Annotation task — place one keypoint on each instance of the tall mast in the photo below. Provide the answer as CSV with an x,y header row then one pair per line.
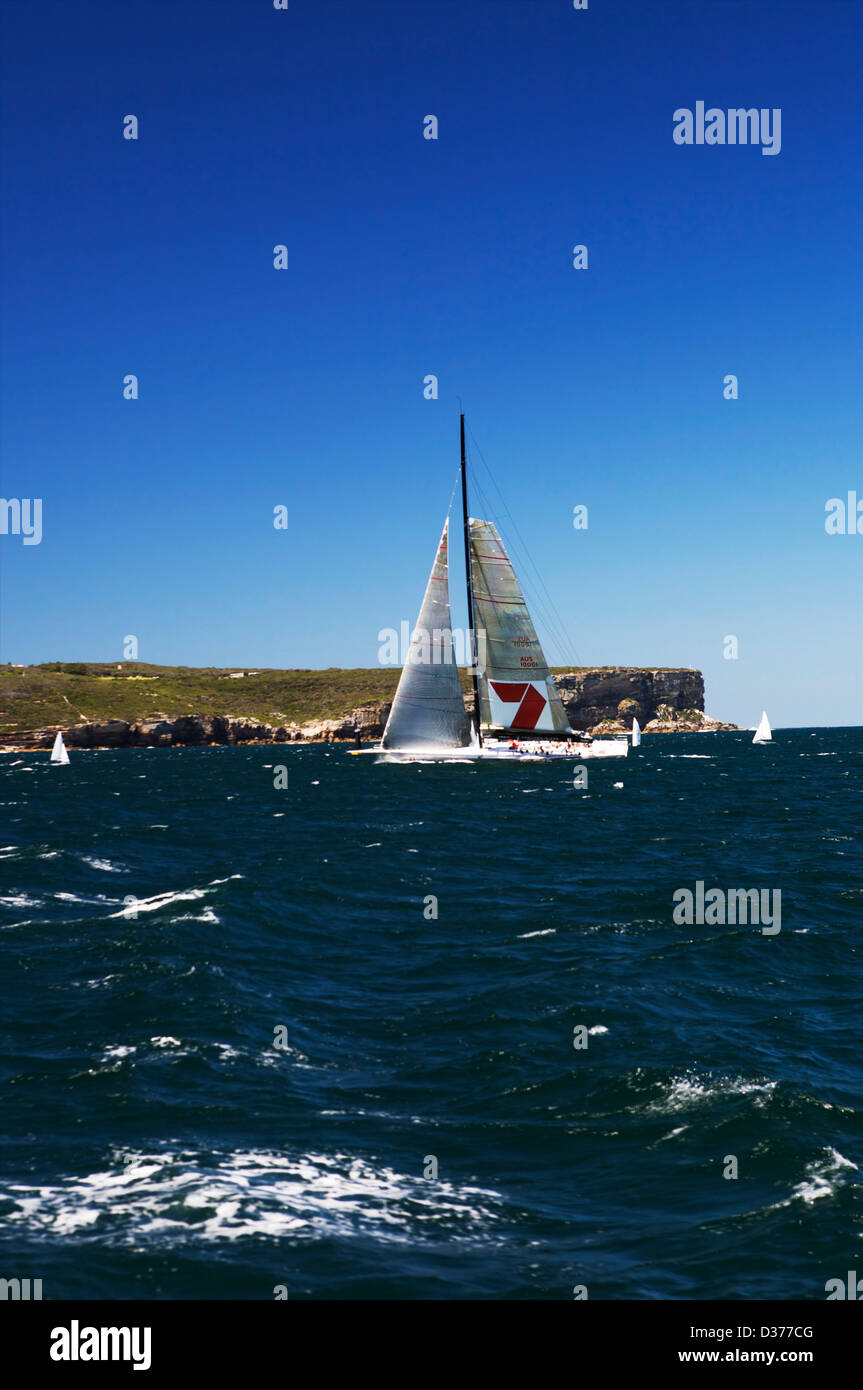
x,y
473,654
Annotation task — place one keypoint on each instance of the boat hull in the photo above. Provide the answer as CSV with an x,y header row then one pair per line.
x,y
536,753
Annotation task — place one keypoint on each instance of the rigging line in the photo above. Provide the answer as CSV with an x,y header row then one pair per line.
x,y
559,621
536,602
523,545
557,633
551,622
452,494
559,637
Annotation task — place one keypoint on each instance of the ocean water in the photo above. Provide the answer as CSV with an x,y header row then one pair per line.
x,y
429,1129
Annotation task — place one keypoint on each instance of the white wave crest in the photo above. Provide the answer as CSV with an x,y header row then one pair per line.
x,y
182,1198
684,1092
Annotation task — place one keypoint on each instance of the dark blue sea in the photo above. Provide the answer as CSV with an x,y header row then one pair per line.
x,y
426,1128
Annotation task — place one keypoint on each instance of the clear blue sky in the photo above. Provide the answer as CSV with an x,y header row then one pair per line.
x,y
453,257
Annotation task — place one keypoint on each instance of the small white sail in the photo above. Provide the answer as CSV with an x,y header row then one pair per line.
x,y
762,733
636,733
58,752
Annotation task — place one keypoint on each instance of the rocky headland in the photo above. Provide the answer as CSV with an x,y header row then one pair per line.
x,y
599,701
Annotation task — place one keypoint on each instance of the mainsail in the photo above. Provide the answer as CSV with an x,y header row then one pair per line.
x,y
636,733
516,688
428,708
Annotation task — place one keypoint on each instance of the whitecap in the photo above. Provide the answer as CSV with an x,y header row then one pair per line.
x,y
823,1179
104,864
158,901
672,1133
145,1197
684,1092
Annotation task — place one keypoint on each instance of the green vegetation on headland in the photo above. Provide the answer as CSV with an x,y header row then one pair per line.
x,y
35,697
74,694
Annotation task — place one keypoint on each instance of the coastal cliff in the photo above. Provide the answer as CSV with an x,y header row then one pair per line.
x,y
133,705
618,694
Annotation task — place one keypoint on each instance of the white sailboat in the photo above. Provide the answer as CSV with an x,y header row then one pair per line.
x,y
58,752
762,733
518,714
636,733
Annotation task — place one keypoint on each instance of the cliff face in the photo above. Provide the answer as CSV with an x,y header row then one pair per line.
x,y
198,729
622,693
602,699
